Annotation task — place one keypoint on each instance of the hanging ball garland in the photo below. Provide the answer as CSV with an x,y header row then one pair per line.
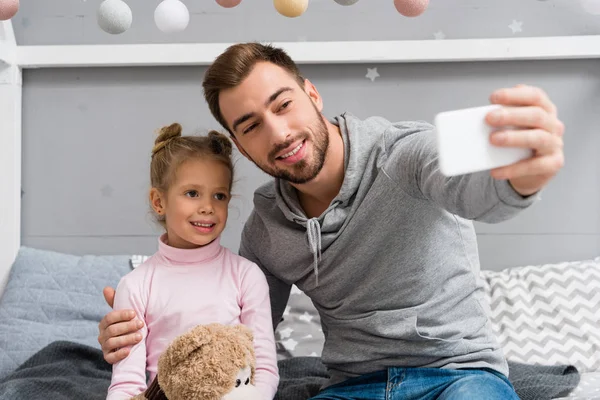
x,y
228,3
346,2
171,16
8,9
114,16
411,8
291,8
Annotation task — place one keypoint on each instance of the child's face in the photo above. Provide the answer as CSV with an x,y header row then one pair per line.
x,y
197,202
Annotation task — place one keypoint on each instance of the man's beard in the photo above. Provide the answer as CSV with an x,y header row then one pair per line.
x,y
302,171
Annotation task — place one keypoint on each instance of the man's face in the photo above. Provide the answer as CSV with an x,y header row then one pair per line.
x,y
277,124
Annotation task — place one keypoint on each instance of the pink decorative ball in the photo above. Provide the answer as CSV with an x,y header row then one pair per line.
x,y
8,9
228,3
411,8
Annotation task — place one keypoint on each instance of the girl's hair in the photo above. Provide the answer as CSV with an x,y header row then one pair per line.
x,y
171,149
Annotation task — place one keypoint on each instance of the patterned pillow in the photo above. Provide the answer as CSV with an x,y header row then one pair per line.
x,y
548,314
300,333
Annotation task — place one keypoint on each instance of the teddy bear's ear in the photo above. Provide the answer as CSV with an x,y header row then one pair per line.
x,y
181,348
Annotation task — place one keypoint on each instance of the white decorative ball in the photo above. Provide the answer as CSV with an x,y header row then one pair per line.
x,y
291,8
346,2
591,6
114,16
171,16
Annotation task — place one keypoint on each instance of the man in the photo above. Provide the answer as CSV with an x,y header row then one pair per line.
x,y
360,218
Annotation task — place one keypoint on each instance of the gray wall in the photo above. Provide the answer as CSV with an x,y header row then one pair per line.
x,y
88,132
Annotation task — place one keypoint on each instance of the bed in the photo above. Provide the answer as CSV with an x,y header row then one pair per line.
x,y
53,303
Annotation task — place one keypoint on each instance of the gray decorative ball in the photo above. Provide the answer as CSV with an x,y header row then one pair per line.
x,y
114,16
346,2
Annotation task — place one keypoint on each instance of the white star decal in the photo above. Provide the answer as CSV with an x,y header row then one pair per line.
x,y
516,26
439,35
289,344
372,74
305,317
285,333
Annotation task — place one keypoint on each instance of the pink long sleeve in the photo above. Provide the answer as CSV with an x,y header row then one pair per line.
x,y
178,289
256,314
129,374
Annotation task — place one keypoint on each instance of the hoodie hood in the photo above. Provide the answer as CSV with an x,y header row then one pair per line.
x,y
358,153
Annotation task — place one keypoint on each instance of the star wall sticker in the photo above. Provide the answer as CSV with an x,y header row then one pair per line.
x,y
372,74
106,191
439,35
516,26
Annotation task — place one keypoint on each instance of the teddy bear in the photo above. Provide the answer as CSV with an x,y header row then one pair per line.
x,y
210,362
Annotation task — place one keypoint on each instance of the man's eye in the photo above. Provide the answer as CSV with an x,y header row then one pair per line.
x,y
248,129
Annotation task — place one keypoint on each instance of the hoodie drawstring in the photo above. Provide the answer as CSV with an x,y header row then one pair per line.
x,y
313,231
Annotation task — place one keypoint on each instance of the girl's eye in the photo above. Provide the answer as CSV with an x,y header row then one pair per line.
x,y
285,105
247,381
238,382
191,193
221,196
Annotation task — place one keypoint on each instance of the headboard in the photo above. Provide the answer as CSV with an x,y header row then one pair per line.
x,y
14,59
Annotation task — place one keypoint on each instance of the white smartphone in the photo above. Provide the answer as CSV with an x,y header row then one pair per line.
x,y
463,139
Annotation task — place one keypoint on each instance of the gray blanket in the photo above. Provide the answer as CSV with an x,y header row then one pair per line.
x,y
66,370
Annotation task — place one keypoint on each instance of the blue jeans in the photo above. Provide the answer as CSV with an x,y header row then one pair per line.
x,y
423,384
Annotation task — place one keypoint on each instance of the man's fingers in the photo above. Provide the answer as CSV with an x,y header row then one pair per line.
x,y
539,166
525,117
116,356
122,329
109,296
524,95
535,139
119,342
115,317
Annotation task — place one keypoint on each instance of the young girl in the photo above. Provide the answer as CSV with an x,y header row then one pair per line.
x,y
192,279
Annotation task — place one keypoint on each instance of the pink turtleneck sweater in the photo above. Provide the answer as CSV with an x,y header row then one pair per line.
x,y
177,289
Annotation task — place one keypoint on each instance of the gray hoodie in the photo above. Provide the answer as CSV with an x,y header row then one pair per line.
x,y
392,265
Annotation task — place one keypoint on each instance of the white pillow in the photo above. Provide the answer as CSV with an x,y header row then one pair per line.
x,y
548,314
